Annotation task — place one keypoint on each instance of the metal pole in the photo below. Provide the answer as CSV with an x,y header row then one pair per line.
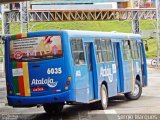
x,y
157,31
135,19
4,25
24,17
5,21
2,9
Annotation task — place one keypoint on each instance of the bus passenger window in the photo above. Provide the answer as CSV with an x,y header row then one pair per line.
x,y
81,58
109,50
98,51
134,49
103,50
126,50
77,51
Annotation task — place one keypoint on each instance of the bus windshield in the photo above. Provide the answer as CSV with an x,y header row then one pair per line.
x,y
36,48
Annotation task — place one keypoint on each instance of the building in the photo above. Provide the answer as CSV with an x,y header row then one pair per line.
x,y
78,4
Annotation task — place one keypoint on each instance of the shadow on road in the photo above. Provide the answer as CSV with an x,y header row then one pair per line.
x,y
73,112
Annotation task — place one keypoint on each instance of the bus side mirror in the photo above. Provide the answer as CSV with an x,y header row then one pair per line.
x,y
146,47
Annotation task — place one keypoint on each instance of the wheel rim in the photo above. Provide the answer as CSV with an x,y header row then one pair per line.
x,y
136,90
104,97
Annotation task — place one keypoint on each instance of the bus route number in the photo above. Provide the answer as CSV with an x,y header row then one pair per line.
x,y
54,71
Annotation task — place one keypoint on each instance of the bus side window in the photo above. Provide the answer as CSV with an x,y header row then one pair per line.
x,y
134,49
109,51
98,50
78,51
104,50
126,50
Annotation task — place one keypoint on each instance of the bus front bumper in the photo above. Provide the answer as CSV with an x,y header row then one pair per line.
x,y
29,101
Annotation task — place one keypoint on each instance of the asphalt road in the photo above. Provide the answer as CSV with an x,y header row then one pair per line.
x,y
147,104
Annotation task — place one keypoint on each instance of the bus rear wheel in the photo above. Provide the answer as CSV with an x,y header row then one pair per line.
x,y
53,108
136,94
103,103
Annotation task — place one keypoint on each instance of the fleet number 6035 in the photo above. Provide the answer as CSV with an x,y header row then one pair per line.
x,y
54,71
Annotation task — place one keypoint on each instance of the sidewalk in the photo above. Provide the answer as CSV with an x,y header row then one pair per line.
x,y
1,70
3,94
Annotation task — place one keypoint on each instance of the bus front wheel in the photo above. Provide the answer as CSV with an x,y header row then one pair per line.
x,y
53,108
103,103
136,94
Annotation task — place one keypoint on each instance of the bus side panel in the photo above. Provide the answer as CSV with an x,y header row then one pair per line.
x,y
127,68
137,69
100,79
112,80
107,73
82,84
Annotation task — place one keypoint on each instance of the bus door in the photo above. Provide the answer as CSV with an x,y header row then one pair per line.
x,y
128,66
88,51
118,60
144,82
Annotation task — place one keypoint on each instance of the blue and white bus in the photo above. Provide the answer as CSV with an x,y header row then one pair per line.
x,y
54,68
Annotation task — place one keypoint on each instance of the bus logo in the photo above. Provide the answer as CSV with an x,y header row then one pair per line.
x,y
50,82
18,55
106,72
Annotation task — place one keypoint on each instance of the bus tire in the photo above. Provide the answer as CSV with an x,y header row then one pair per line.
x,y
53,108
103,103
137,92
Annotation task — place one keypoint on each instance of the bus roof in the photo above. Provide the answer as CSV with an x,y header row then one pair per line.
x,y
102,34
82,33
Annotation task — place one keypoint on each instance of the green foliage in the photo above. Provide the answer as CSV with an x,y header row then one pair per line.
x,y
85,25
151,48
1,51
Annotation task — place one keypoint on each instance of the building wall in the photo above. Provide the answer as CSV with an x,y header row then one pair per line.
x,y
73,1
110,5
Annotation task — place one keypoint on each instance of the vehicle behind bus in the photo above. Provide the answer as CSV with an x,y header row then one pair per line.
x,y
54,68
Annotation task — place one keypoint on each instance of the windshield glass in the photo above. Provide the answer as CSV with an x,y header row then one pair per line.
x,y
36,48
